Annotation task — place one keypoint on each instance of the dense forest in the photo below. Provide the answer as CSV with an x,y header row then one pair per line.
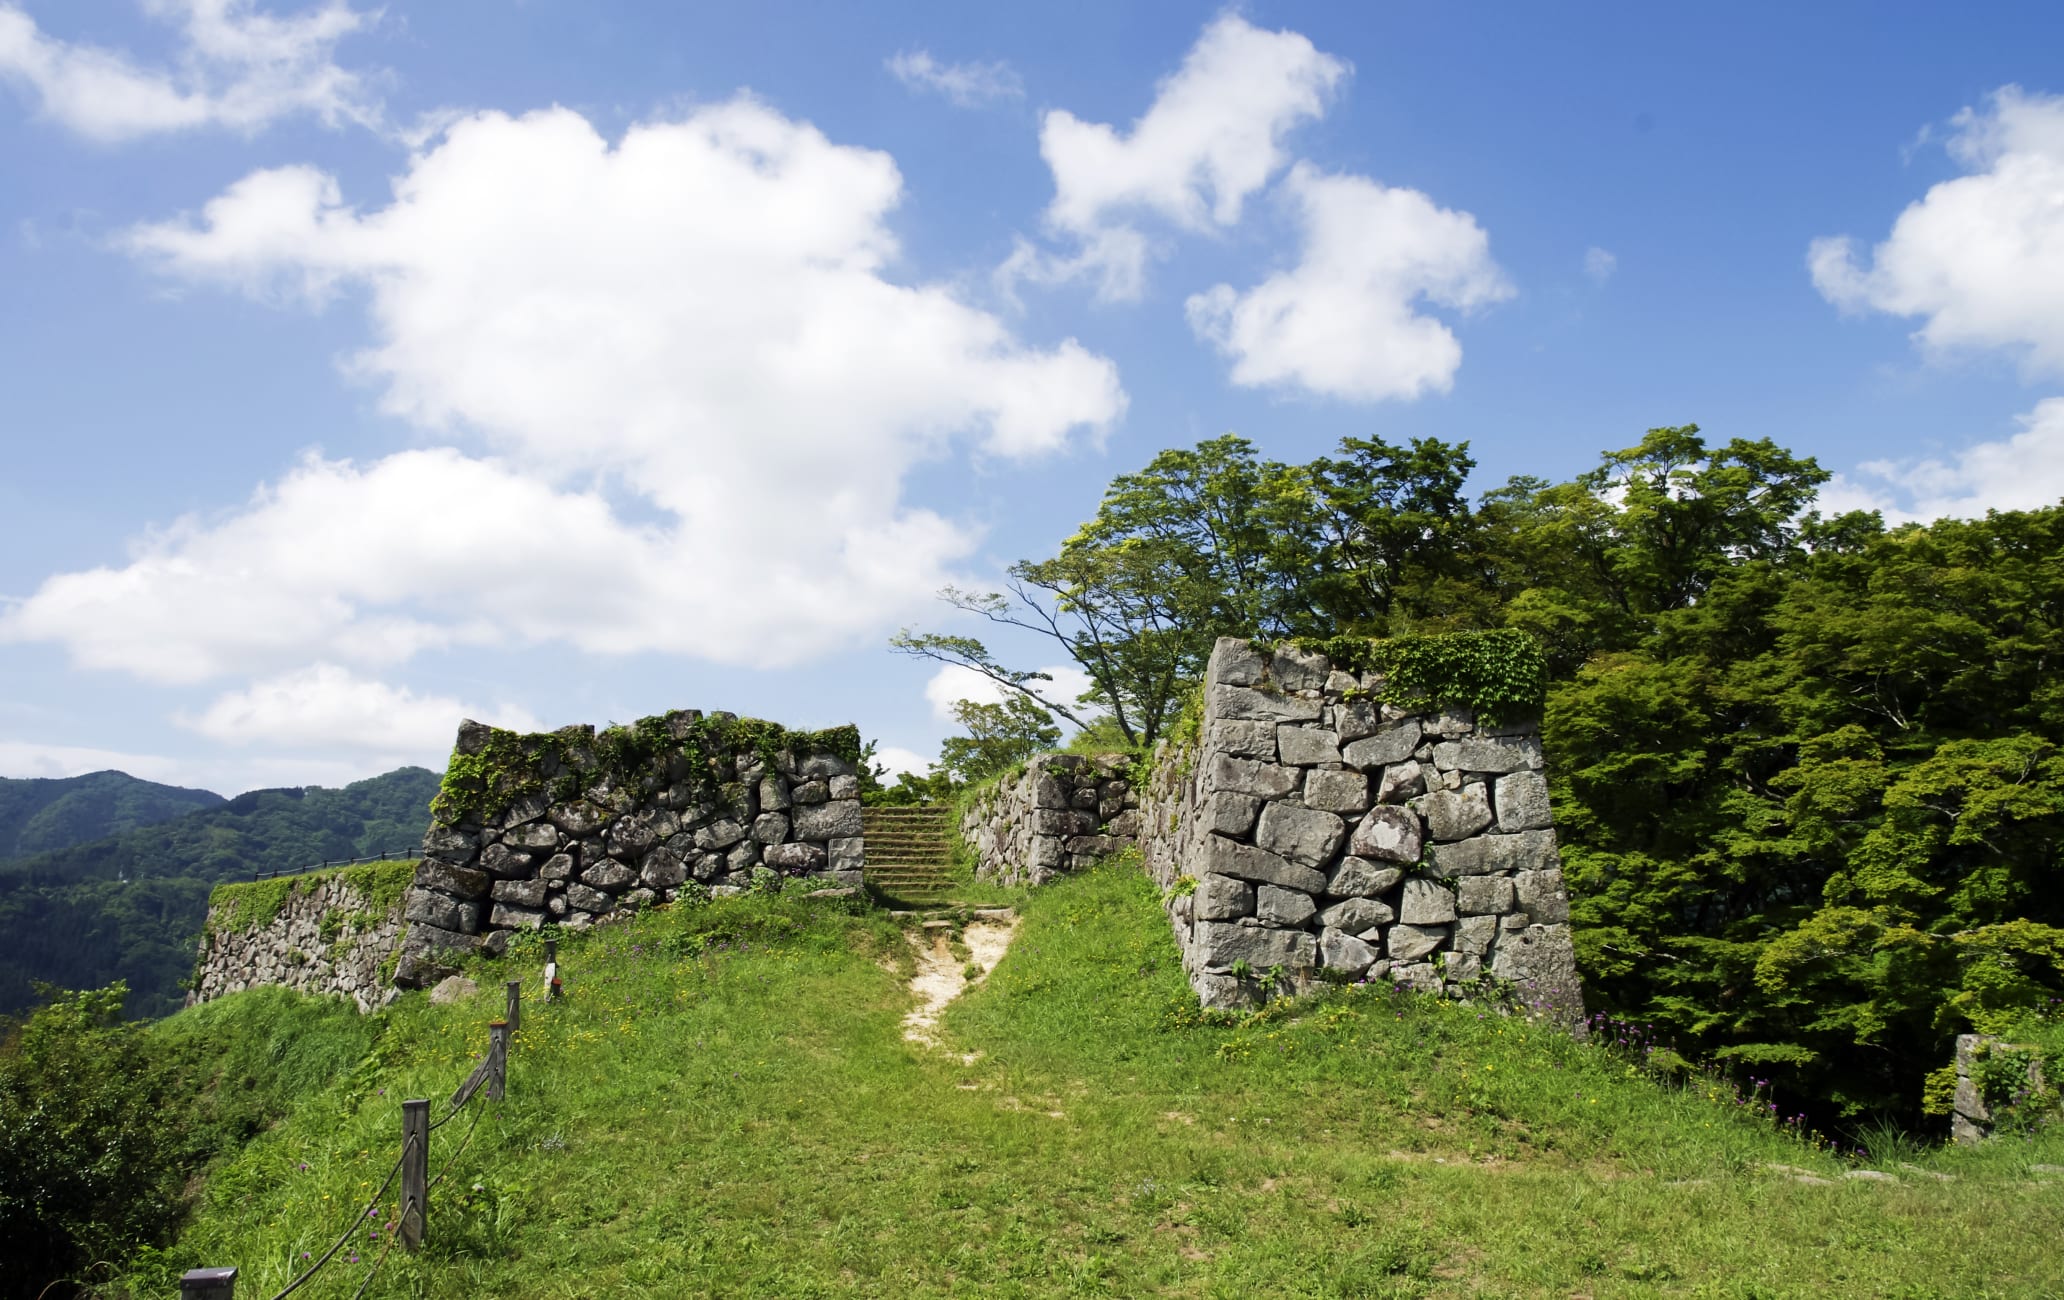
x,y
1806,769
129,907
39,814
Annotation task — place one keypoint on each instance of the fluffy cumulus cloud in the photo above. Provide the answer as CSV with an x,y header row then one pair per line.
x,y
1346,320
1213,136
953,684
1979,259
968,85
2021,472
237,67
327,707
697,386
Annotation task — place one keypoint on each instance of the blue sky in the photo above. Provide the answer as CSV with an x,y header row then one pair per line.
x,y
367,366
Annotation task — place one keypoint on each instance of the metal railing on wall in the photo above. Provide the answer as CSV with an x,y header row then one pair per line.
x,y
488,1081
398,855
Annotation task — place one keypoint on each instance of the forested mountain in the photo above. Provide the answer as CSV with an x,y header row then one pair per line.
x,y
40,814
130,906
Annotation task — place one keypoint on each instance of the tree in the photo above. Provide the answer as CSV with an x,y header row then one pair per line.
x,y
998,737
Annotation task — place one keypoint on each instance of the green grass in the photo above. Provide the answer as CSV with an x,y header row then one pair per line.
x,y
252,904
725,1107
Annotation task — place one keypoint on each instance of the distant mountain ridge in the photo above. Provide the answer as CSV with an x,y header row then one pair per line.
x,y
130,905
43,814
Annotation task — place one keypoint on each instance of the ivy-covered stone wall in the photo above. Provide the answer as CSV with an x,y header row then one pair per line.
x,y
567,827
334,933
1306,827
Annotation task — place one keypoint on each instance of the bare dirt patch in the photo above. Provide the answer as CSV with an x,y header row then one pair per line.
x,y
942,977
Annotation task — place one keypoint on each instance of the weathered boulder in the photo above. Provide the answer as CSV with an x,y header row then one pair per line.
x,y
452,988
1393,744
1336,792
1307,836
1361,878
1492,854
1522,800
822,821
1232,858
1426,903
1306,746
1283,907
1387,834
795,857
1221,944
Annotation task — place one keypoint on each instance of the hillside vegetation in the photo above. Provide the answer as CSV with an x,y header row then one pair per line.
x,y
130,906
39,814
725,1106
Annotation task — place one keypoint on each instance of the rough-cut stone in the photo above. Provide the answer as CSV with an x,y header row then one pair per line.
x,y
1388,835
1483,895
1541,895
1265,706
1306,746
447,878
1354,719
1221,944
1338,792
1455,814
608,874
1541,963
1393,744
1288,908
663,869
630,839
1229,812
426,908
588,900
1401,782
1245,776
452,988
1411,942
450,845
1461,967
1231,858
1426,903
1475,934
1489,754
1419,977
796,856
720,834
744,856
808,792
1361,878
1299,670
525,893
577,818
1522,800
1242,739
773,793
1343,952
815,767
1488,855
770,827
844,786
557,867
507,916
504,863
1126,825
1357,914
840,817
1222,898
1234,662
845,853
1303,835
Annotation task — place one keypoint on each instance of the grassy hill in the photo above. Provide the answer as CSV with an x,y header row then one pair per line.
x,y
39,814
130,906
725,1106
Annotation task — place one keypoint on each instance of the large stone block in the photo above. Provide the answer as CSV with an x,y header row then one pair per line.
x,y
1229,812
718,835
1522,800
1337,792
584,899
524,893
770,827
1306,746
1541,964
535,837
1489,754
609,874
1401,782
1455,814
797,856
1489,855
1409,943
577,818
1245,776
815,767
803,792
1393,744
450,879
1475,934
1387,835
1483,895
557,867
1541,895
1306,836
1221,944
1299,670
662,869
1354,719
840,817
1232,858
1242,739
1357,914
1341,951
503,862
1361,878
426,908
508,917
1288,908
774,793
448,845
845,853
1426,902
1260,706
1222,898
1234,662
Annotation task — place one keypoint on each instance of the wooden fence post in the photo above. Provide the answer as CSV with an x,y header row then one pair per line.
x,y
208,1284
551,970
498,1051
515,1013
415,1172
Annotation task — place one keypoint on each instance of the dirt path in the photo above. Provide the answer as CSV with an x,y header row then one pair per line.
x,y
941,976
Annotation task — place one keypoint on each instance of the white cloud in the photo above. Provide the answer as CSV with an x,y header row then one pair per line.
x,y
238,67
969,85
952,683
1212,137
2022,472
325,706
1599,264
28,758
699,317
1980,258
1345,322
895,760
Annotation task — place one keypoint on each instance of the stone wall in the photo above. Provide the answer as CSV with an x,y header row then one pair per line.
x,y
712,804
1972,1117
329,936
1060,814
1308,833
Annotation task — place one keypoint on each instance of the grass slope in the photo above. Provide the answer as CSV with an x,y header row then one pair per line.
x,y
725,1107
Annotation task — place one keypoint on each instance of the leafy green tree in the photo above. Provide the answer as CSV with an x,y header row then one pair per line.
x,y
998,737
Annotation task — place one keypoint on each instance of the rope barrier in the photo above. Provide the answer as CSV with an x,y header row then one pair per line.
x,y
464,1142
384,1248
330,1254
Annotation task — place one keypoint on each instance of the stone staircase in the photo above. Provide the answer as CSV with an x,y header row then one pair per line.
x,y
910,852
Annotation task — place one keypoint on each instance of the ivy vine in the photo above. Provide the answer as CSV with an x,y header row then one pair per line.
x,y
1501,674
